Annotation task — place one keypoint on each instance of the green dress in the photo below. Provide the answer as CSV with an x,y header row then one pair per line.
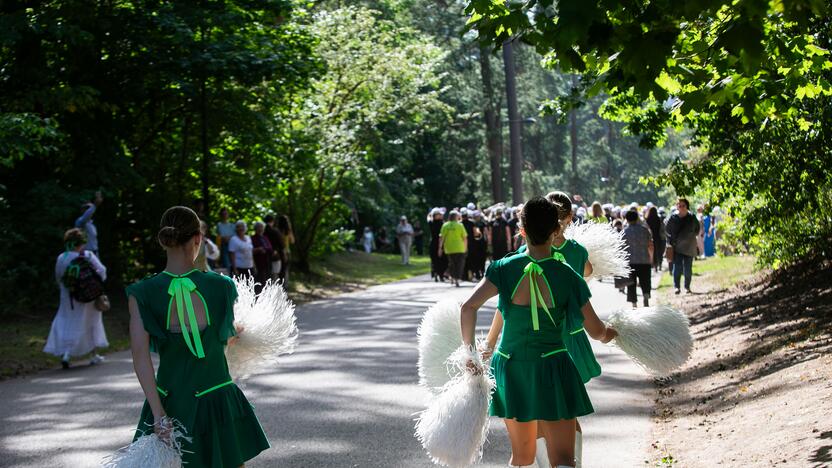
x,y
535,375
193,379
574,335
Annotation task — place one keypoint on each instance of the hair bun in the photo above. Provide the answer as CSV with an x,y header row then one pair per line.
x,y
168,236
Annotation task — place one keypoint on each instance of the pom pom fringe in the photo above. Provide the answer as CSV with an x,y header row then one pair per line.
x,y
150,450
268,328
454,426
440,335
656,338
606,247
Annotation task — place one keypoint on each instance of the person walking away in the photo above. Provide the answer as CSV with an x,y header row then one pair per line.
x,y
500,238
539,390
709,228
285,228
453,242
480,250
240,250
187,317
682,230
700,237
207,251
418,238
278,246
438,262
639,244
77,328
597,214
85,224
657,230
262,252
368,240
225,231
404,234
469,252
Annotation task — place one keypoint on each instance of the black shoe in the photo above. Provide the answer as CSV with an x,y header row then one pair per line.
x,y
688,291
646,302
65,364
435,279
678,291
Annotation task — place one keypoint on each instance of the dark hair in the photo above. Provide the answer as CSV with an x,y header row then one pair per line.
x,y
269,218
617,222
284,225
631,217
685,201
562,202
74,237
179,225
539,218
652,214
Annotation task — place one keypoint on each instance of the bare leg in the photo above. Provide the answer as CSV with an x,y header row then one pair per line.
x,y
522,436
560,441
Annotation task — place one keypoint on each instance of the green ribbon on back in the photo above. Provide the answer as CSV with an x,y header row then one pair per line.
x,y
532,270
180,290
559,257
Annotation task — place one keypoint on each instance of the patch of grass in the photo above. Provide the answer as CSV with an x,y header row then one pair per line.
x,y
724,272
349,271
23,337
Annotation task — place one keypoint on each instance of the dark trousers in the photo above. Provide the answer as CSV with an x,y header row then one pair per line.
x,y
682,263
640,273
658,255
456,265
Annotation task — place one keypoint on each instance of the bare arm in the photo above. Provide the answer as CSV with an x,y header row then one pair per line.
x,y
441,249
140,347
494,331
484,291
596,329
587,268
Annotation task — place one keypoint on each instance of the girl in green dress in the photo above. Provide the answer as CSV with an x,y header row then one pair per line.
x,y
538,386
574,334
187,317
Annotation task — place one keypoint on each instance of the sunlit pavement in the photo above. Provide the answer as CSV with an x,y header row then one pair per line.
x,y
346,398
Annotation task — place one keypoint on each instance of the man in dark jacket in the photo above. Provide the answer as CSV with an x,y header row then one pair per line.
x,y
682,229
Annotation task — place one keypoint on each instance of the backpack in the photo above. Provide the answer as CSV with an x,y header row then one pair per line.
x,y
82,281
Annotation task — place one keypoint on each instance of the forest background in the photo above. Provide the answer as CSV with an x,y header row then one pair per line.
x,y
349,114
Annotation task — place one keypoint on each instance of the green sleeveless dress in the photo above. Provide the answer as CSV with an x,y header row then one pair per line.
x,y
535,375
193,379
574,335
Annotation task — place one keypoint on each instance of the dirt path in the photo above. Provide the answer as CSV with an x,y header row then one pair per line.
x,y
758,389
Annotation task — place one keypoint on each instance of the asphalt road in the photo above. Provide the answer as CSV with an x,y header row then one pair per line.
x,y
346,398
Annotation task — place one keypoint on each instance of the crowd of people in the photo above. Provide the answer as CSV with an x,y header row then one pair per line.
x,y
264,255
462,239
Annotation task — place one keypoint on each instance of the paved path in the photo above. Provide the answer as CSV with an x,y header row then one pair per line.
x,y
346,398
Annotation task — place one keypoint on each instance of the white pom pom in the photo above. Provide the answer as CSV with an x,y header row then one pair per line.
x,y
454,426
268,328
150,450
440,335
656,338
605,246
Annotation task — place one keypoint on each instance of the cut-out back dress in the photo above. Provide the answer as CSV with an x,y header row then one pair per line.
x,y
535,374
193,379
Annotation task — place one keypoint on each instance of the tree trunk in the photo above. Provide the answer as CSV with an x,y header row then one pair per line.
x,y
573,137
516,161
492,127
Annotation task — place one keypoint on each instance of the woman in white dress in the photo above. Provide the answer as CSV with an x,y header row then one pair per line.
x,y
77,328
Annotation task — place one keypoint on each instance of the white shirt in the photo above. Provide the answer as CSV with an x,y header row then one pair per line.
x,y
243,251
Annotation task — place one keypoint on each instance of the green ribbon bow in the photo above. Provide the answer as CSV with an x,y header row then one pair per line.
x,y
180,290
532,270
559,257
